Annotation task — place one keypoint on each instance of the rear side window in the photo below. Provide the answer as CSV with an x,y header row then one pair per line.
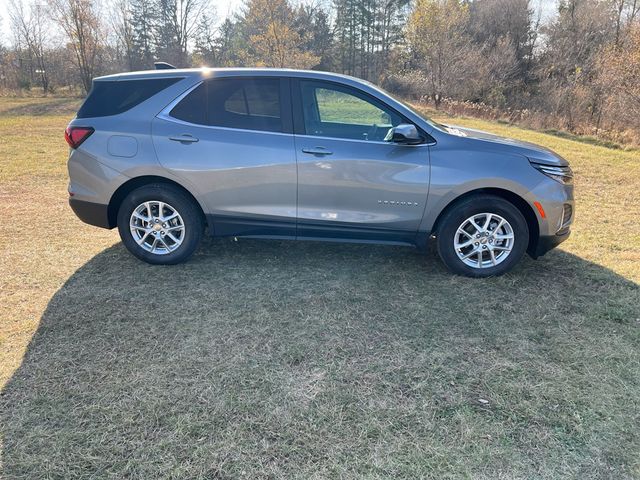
x,y
193,108
245,103
114,97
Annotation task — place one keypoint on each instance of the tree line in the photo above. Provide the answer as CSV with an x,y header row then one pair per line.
x,y
578,70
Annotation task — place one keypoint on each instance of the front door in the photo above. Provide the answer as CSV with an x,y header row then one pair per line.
x,y
351,183
231,138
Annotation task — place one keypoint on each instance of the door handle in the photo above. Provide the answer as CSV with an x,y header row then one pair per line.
x,y
184,138
317,151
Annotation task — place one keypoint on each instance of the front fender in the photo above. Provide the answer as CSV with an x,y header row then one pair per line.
x,y
456,172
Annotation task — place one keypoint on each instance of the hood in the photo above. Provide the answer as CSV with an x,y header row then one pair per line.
x,y
533,152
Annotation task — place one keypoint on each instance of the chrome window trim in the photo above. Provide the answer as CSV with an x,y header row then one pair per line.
x,y
169,118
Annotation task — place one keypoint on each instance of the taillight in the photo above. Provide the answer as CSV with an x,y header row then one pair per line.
x,y
76,135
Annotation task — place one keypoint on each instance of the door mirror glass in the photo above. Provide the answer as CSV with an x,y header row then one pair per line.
x,y
405,134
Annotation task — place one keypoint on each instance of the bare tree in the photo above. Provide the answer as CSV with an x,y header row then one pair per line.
x,y
567,64
80,22
437,40
626,12
273,41
176,27
619,74
29,27
122,26
187,14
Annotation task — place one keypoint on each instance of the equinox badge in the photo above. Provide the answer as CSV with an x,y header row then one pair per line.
x,y
396,202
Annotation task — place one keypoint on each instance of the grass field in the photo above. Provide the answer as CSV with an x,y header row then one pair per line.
x,y
266,359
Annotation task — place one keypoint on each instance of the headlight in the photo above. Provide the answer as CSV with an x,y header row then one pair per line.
x,y
563,175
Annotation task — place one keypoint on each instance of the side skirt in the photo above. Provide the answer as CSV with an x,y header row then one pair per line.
x,y
267,228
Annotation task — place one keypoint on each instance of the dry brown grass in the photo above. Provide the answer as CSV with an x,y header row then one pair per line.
x,y
266,359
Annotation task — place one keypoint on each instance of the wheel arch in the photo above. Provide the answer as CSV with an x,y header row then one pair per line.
x,y
513,198
130,185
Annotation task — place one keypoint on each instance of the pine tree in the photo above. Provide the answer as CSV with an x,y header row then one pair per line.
x,y
142,16
366,30
313,25
205,51
166,41
230,44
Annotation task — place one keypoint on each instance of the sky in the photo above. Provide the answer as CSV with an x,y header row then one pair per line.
x,y
225,8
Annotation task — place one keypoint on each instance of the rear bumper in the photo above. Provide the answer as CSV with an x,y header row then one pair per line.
x,y
548,242
92,213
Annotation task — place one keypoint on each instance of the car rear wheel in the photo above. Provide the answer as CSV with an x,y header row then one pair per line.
x,y
160,224
482,236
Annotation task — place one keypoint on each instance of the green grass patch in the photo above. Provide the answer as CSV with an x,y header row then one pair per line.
x,y
38,106
583,139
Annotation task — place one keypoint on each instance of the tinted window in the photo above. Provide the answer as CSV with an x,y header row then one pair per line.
x,y
247,103
192,108
341,112
237,102
114,97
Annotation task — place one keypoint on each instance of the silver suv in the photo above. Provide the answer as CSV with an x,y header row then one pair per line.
x,y
165,154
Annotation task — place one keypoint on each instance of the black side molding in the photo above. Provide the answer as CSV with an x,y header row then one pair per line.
x,y
92,213
163,66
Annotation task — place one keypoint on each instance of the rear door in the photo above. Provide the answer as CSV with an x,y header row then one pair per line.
x,y
231,138
351,183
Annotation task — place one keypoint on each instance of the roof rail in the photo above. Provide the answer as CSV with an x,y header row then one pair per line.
x,y
163,66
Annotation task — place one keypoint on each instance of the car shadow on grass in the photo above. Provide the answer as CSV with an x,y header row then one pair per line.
x,y
309,360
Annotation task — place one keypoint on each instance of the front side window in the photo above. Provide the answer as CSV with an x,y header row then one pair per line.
x,y
243,103
341,112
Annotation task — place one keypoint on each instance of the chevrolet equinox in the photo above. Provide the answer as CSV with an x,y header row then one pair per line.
x,y
166,154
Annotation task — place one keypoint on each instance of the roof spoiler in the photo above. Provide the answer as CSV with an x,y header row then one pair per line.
x,y
163,66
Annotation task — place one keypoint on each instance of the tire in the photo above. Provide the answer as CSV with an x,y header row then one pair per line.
x,y
490,252
156,241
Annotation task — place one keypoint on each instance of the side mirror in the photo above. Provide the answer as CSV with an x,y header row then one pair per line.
x,y
405,134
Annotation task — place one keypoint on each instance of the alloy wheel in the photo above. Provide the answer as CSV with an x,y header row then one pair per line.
x,y
157,227
484,240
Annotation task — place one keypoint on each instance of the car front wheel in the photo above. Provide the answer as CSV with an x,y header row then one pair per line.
x,y
160,224
482,236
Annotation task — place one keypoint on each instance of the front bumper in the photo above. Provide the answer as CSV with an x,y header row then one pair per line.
x,y
547,242
92,213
